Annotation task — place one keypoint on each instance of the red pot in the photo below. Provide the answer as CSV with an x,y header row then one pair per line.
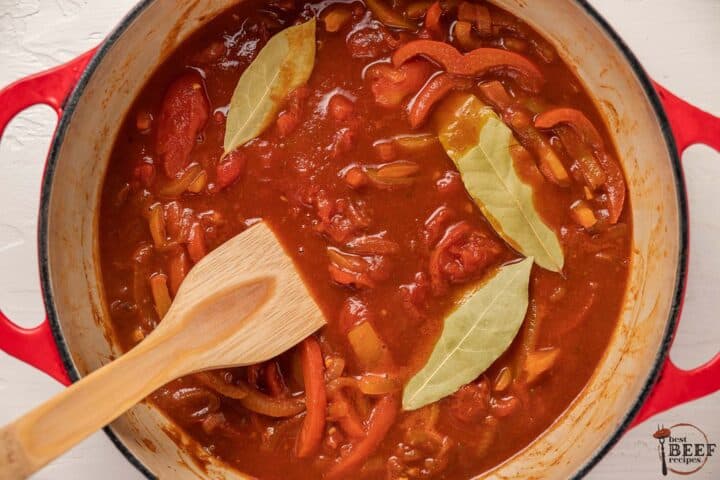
x,y
651,128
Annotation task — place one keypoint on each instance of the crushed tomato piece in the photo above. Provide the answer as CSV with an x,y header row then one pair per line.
x,y
183,115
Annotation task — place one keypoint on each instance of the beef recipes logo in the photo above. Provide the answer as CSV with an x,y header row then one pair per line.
x,y
683,448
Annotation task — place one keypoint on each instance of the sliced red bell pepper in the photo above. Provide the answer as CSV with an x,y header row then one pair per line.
x,y
615,184
473,63
432,20
495,93
482,60
575,119
350,422
274,379
313,427
431,93
519,119
463,34
381,419
440,52
478,15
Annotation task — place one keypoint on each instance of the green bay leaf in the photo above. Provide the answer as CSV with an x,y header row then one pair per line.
x,y
474,335
284,63
479,143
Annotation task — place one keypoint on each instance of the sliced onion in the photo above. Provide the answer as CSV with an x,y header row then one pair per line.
x,y
393,174
178,185
415,142
235,391
416,10
252,399
372,384
388,16
156,223
398,169
336,18
583,214
373,245
503,380
334,367
539,362
160,293
198,185
347,261
195,403
367,345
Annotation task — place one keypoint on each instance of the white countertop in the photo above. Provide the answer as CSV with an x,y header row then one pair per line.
x,y
677,41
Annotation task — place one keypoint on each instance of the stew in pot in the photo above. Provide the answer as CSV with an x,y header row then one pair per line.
x,y
448,191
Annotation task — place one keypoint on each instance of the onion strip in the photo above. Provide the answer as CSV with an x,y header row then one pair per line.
x,y
252,399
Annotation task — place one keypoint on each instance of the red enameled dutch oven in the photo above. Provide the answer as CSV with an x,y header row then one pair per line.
x,y
651,128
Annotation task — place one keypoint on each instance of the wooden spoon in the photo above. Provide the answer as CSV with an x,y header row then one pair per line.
x,y
242,304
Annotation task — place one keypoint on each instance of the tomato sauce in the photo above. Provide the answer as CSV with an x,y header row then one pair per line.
x,y
362,214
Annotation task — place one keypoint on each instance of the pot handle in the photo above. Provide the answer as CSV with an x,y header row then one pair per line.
x,y
675,386
36,346
689,124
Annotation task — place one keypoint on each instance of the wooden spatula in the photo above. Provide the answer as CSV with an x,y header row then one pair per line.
x,y
242,304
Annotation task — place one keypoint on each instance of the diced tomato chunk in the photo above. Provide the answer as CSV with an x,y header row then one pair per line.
x,y
354,311
355,177
370,42
183,115
339,219
287,122
386,151
230,169
471,403
342,142
289,119
450,183
460,255
436,223
414,295
340,107
145,173
502,407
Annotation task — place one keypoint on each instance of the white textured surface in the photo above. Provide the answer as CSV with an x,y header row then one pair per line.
x,y
677,42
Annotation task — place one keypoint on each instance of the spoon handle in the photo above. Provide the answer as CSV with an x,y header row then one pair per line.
x,y
52,428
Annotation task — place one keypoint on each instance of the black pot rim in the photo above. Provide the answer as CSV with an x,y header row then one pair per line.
x,y
642,77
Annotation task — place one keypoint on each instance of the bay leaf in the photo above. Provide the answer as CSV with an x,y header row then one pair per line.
x,y
284,63
474,335
479,143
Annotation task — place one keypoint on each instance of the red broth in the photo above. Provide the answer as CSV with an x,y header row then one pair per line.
x,y
315,176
